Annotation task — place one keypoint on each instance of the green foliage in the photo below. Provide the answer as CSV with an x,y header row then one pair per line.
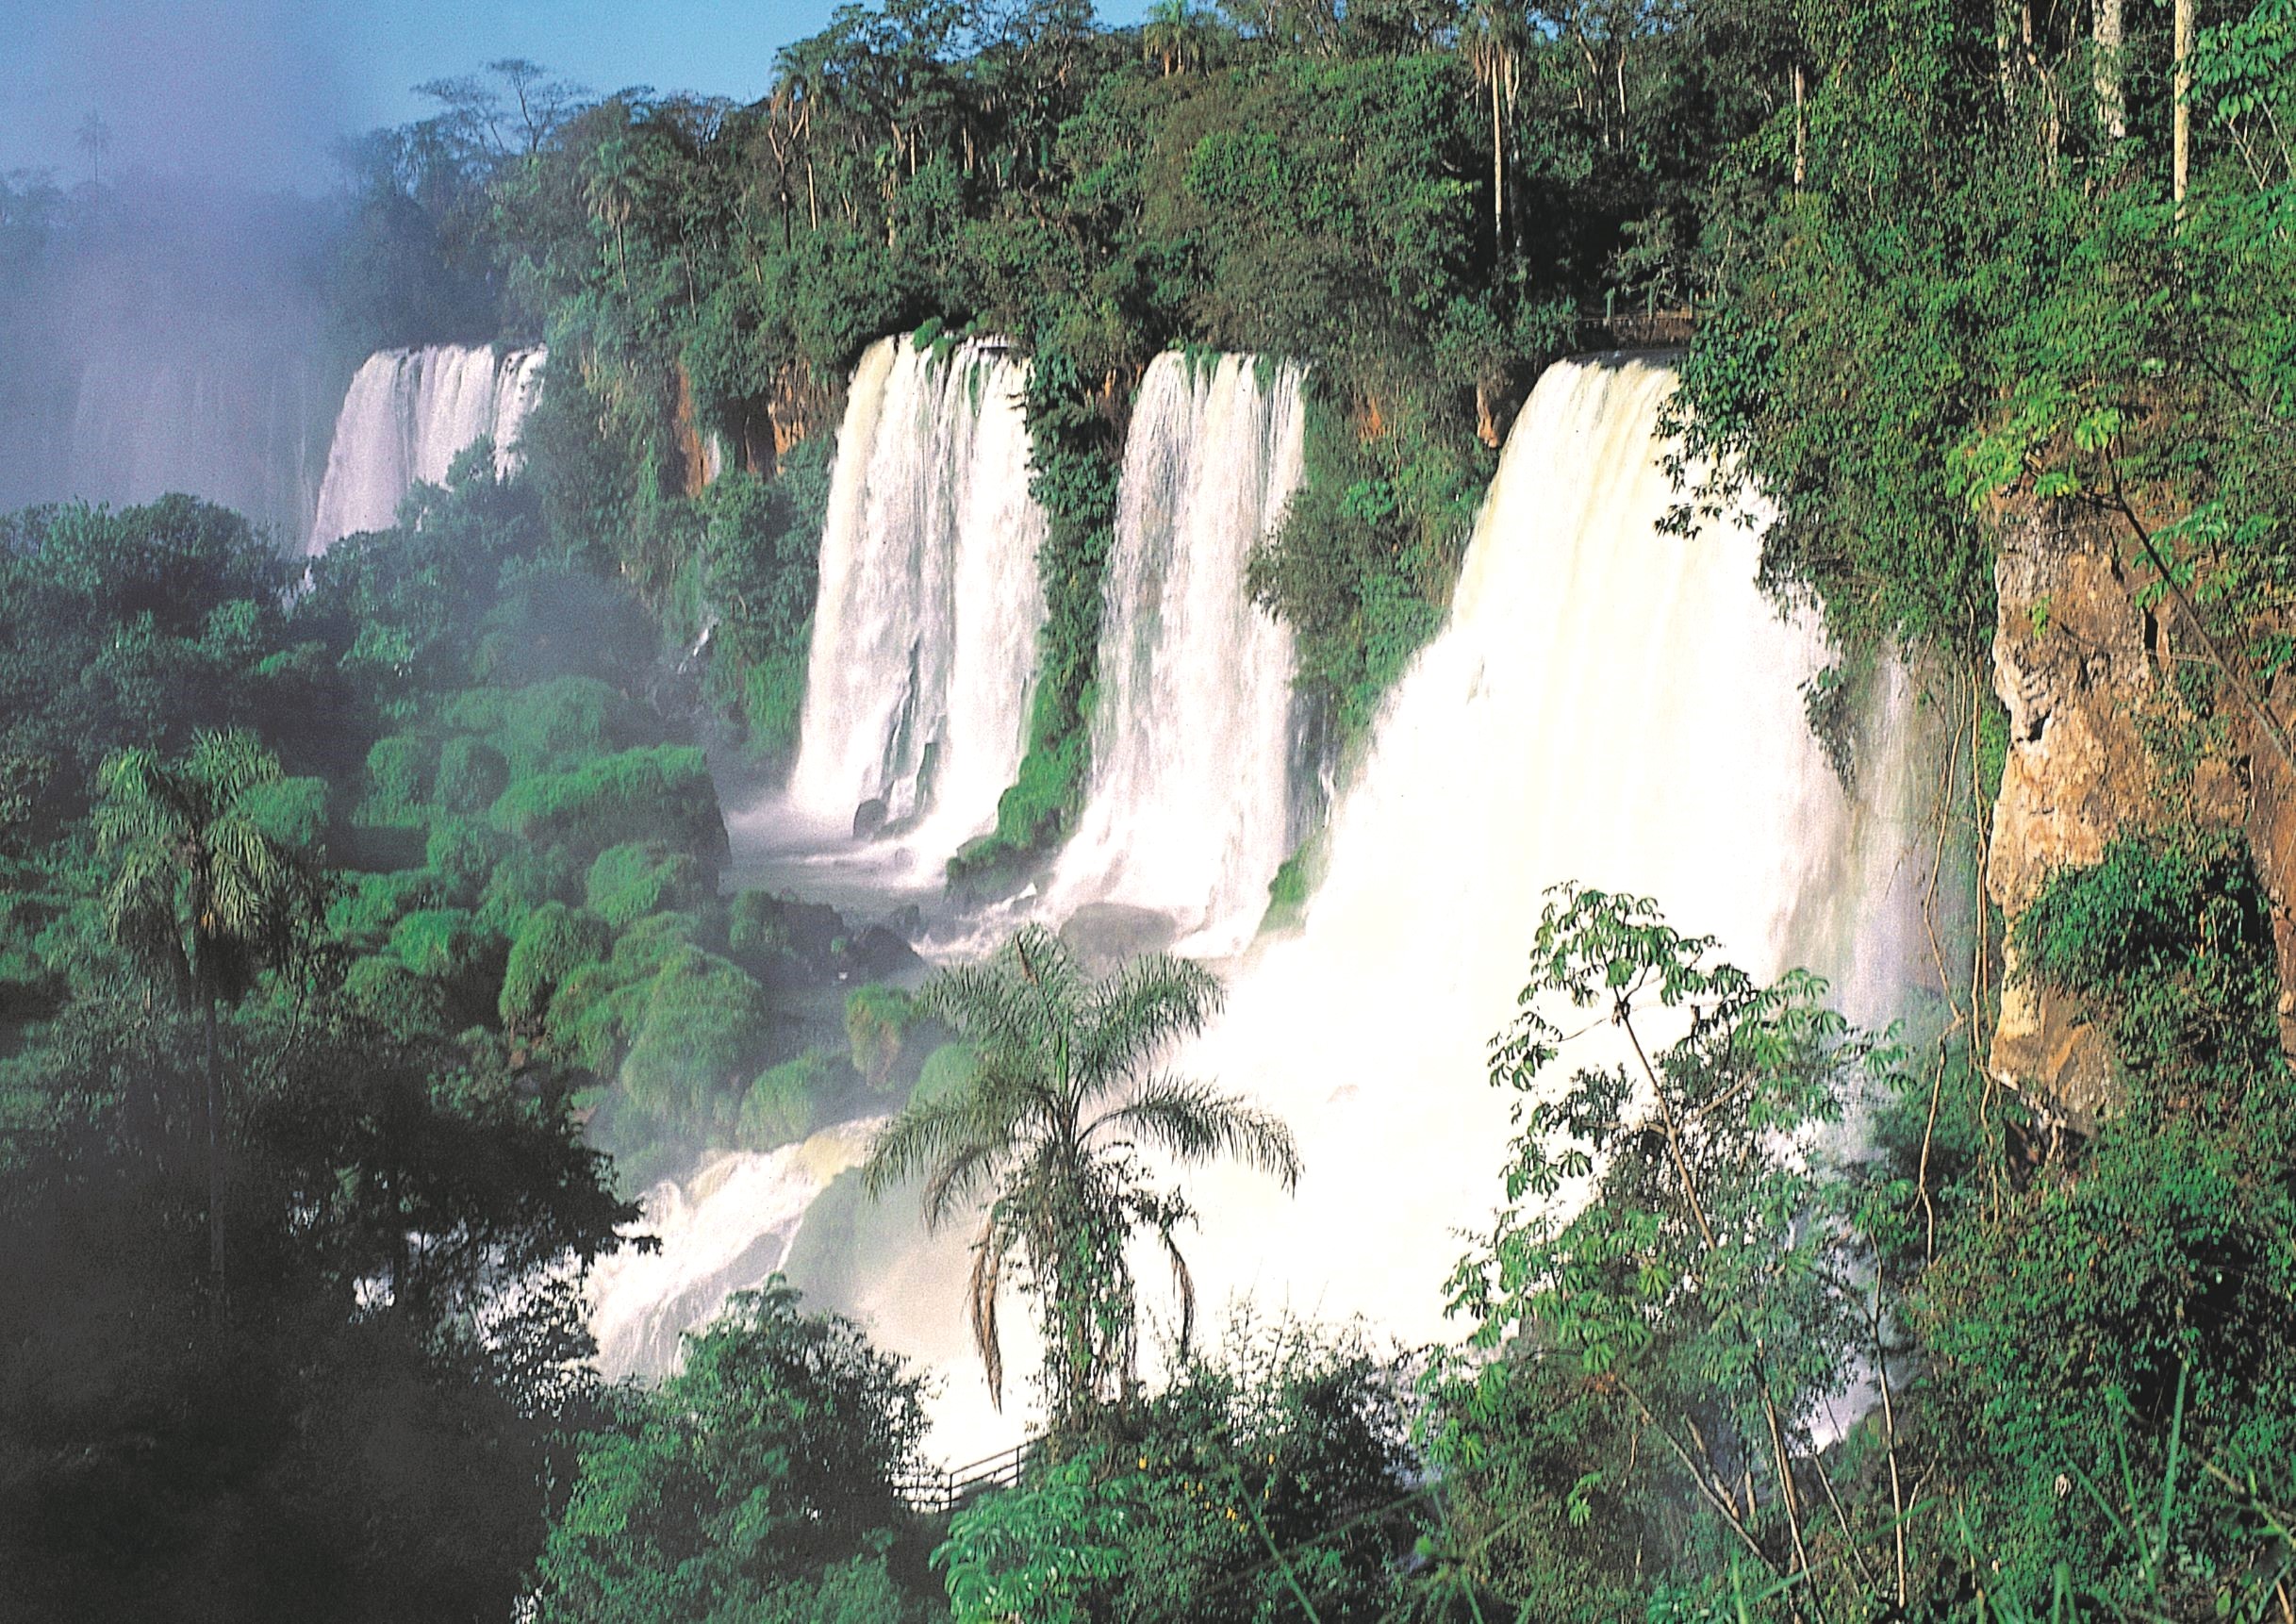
x,y
629,882
876,1020
753,1483
399,768
784,1105
694,1038
473,774
2139,1299
1706,1299
433,941
662,791
947,1070
554,725
551,946
463,854
1271,1480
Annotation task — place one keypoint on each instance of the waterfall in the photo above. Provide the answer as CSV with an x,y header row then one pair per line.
x,y
924,632
1188,810
409,414
1607,704
724,1229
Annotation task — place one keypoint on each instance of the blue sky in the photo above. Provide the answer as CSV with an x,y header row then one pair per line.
x,y
256,90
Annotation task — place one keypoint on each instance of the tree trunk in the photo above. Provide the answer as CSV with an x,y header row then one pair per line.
x,y
2112,105
1498,176
1801,125
2182,127
215,1146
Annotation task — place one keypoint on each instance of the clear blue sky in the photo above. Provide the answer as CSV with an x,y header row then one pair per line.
x,y
256,90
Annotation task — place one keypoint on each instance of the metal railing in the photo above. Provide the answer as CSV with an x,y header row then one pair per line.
x,y
934,1491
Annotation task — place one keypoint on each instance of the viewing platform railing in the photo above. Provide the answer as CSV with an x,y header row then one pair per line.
x,y
934,1491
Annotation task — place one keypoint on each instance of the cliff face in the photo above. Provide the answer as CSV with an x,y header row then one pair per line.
x,y
2081,668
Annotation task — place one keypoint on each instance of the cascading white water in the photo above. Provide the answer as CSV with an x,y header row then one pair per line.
x,y
1188,811
724,1229
408,415
924,634
1606,703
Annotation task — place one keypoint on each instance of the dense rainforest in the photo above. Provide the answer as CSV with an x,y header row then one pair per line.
x,y
366,948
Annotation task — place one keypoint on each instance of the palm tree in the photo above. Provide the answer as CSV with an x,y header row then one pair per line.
x,y
1053,1125
202,895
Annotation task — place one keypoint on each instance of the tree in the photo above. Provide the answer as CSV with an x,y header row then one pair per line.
x,y
94,138
1492,37
204,893
1051,1125
765,1467
1707,1297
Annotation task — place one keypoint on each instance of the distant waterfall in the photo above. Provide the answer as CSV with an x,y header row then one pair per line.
x,y
924,632
1607,704
409,414
1188,812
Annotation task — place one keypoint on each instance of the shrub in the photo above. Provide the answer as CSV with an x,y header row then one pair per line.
x,y
663,791
557,724
436,942
876,1017
693,1041
784,1105
398,773
642,877
462,854
551,946
405,1004
472,776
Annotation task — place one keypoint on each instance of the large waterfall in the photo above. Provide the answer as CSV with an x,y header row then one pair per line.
x,y
409,414
924,633
1188,813
1607,703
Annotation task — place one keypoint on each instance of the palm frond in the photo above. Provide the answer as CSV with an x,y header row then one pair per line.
x,y
1184,1283
913,1141
1136,1013
960,1175
987,1269
1193,1122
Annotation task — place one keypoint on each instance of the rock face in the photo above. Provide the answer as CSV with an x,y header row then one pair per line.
x,y
2078,664
2071,668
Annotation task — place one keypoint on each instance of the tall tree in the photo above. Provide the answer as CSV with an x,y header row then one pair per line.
x,y
1052,1124
204,891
